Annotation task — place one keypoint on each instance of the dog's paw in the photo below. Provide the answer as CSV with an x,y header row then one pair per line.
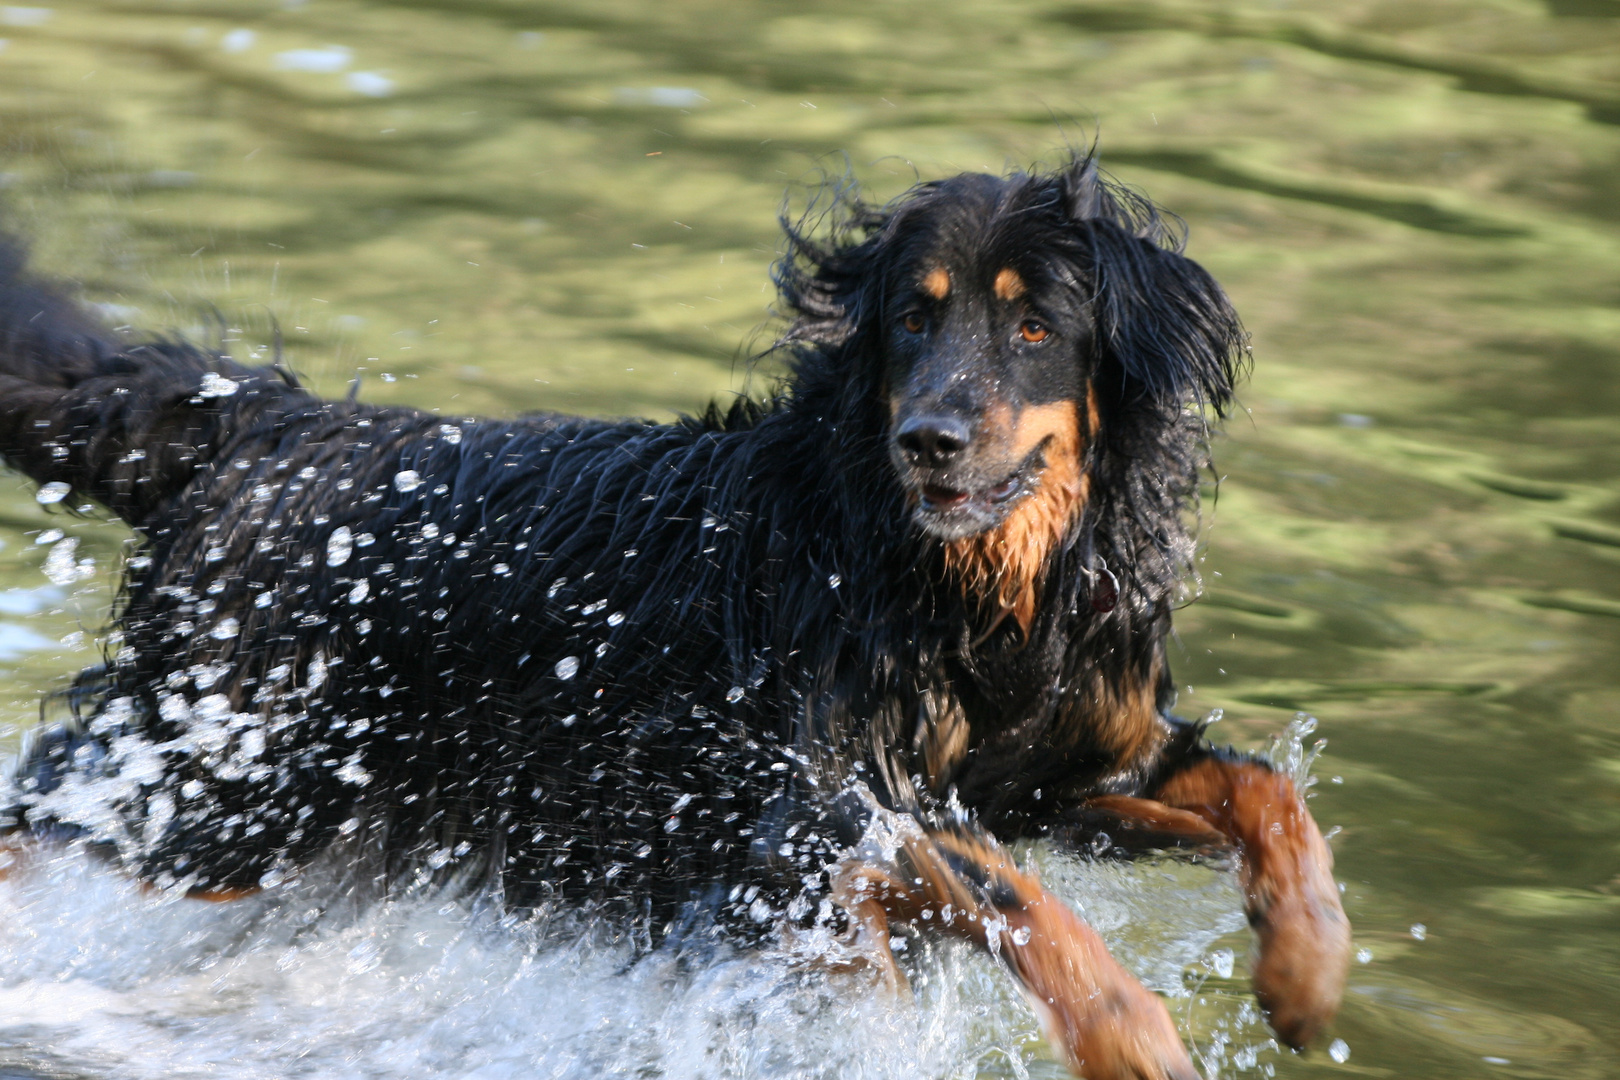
x,y
1304,958
1102,1022
1127,1035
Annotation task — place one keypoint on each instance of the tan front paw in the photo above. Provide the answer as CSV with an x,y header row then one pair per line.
x,y
1304,957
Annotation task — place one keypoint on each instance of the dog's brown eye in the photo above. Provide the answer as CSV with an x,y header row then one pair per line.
x,y
913,323
1033,331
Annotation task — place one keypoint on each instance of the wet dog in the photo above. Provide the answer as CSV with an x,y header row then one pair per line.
x,y
795,663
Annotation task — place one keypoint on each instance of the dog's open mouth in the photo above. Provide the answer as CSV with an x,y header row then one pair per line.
x,y
952,506
939,497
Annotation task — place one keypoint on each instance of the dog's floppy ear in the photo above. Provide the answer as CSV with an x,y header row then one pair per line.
x,y
1160,316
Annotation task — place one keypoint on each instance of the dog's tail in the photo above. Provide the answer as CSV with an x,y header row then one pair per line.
x,y
124,422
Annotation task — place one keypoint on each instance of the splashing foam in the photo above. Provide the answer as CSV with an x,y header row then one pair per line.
x,y
99,977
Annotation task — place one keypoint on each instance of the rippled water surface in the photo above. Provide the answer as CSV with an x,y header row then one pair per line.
x,y
496,206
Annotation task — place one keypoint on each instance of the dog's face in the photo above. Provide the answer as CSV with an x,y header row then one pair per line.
x,y
1014,327
987,360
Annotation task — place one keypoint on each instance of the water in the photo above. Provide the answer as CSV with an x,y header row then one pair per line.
x,y
499,206
105,980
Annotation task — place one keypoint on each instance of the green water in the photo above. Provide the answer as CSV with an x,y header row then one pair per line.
x,y
493,206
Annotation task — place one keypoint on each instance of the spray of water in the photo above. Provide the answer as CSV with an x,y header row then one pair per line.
x,y
100,977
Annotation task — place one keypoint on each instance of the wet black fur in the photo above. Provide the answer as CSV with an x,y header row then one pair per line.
x,y
754,618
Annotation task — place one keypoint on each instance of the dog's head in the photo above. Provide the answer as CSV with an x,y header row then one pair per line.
x,y
1001,323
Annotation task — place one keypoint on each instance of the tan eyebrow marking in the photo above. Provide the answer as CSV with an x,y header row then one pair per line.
x,y
938,283
1009,286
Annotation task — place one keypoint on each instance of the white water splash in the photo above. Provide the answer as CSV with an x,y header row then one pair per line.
x,y
100,978
1288,755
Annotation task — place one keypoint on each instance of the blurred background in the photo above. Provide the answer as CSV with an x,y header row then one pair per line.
x,y
481,206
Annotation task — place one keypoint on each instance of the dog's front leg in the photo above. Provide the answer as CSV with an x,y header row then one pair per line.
x,y
1288,889
1213,798
1105,1024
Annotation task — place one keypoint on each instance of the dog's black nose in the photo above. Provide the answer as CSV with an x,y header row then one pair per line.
x,y
933,440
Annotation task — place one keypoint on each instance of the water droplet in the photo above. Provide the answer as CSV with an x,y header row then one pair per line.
x,y
593,607
616,618
61,567
1364,956
352,773
735,694
1419,931
450,433
501,569
834,580
407,480
213,709
215,385
53,492
1220,962
339,546
49,536
225,629
361,590
1339,1051
567,667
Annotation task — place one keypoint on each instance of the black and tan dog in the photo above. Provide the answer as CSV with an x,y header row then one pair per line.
x,y
797,662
